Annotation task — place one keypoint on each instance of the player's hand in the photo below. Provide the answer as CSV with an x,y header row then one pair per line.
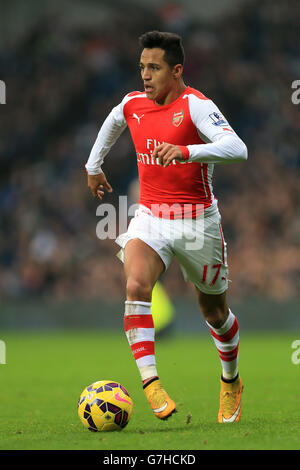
x,y
166,153
97,184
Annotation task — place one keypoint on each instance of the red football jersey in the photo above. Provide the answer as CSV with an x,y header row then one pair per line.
x,y
190,121
151,125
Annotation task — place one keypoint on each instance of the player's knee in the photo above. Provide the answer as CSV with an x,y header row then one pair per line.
x,y
138,289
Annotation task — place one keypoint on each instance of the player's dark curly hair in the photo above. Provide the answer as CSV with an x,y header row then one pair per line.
x,y
171,43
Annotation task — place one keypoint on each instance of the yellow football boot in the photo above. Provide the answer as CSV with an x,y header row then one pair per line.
x,y
230,401
162,405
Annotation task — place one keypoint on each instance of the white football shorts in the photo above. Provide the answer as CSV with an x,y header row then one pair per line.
x,y
198,244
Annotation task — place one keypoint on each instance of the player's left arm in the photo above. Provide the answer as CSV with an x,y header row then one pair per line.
x,y
168,152
222,144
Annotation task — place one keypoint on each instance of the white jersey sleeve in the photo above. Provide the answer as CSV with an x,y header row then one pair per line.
x,y
222,144
110,131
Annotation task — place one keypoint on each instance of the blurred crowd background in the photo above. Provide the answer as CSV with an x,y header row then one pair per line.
x,y
63,79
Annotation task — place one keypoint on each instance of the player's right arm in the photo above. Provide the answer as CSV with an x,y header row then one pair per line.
x,y
110,131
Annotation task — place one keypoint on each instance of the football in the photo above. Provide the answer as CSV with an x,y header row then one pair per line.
x,y
105,406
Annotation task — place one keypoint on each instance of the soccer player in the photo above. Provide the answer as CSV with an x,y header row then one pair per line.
x,y
178,134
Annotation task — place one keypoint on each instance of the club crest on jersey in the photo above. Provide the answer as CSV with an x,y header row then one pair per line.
x,y
177,118
217,119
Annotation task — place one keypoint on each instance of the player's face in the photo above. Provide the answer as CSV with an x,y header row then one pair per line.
x,y
157,75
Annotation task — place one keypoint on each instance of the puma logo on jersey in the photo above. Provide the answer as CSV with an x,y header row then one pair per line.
x,y
138,117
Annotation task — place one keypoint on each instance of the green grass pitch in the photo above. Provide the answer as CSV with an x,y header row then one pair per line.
x,y
45,373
